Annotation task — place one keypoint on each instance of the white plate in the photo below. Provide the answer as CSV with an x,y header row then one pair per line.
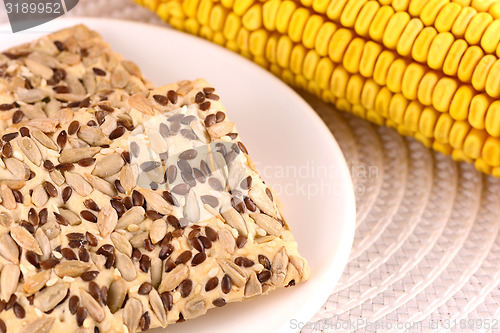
x,y
294,151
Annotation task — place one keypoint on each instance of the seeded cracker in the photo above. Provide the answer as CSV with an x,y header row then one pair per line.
x,y
63,70
140,215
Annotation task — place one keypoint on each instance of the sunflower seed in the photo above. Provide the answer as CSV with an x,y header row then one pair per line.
x,y
39,196
141,104
157,306
279,267
253,286
51,229
236,274
156,271
158,230
235,220
7,196
78,183
5,219
41,325
8,280
44,139
72,268
270,225
121,243
194,308
30,149
127,178
25,239
76,154
227,240
106,220
57,177
20,170
119,78
235,175
48,298
173,278
156,201
101,185
125,266
135,215
116,295
138,240
93,136
39,69
192,208
9,249
34,283
108,165
93,307
262,200
132,314
44,243
221,129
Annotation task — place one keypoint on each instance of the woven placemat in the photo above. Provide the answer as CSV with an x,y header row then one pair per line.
x,y
427,245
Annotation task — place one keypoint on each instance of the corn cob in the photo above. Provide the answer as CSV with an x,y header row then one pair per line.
x,y
428,68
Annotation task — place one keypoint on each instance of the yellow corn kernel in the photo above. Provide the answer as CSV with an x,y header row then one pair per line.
x,y
232,26
284,15
369,93
353,90
411,80
492,121
491,151
301,82
334,9
174,9
443,148
374,117
439,49
482,5
327,96
495,10
257,42
416,7
482,166
261,61
385,2
424,140
271,48
310,63
338,44
365,18
400,5
313,88
297,58
219,38
395,75
379,23
408,37
443,128
391,124
269,13
206,32
218,17
426,87
459,156
343,105
477,112
162,11
151,4
275,69
473,143
232,45
322,41
369,57
447,16
397,108
384,61
422,44
350,12
228,3
431,10
412,116
284,48
189,7
353,54
453,57
203,14
323,73
382,102
462,21
394,29
252,19
241,6
492,86
307,3
338,82
463,3
288,77
443,93
319,6
459,107
242,38
491,37
468,63
358,111
427,122
481,72
297,24
458,133
495,172
192,26
311,30
477,27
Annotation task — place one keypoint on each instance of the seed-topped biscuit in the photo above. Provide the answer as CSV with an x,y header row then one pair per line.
x,y
65,69
138,216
